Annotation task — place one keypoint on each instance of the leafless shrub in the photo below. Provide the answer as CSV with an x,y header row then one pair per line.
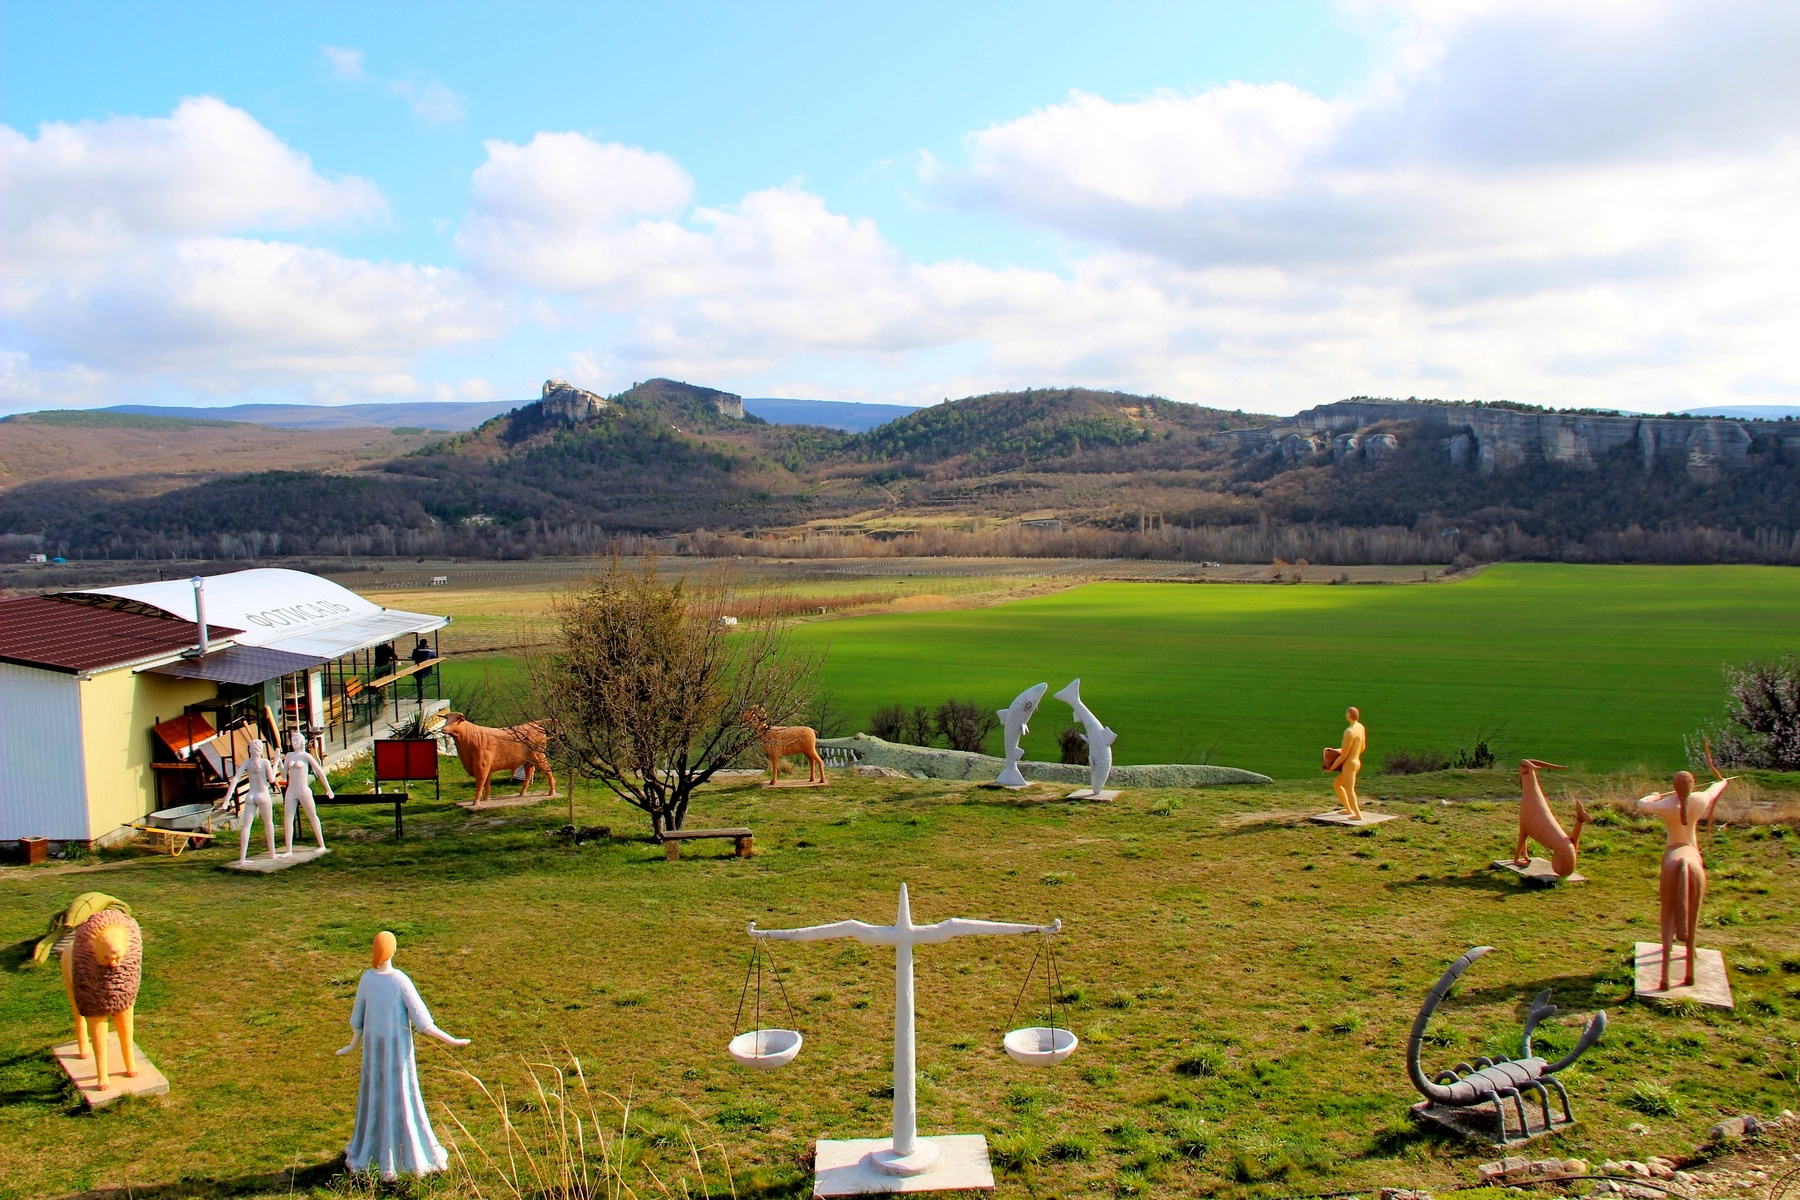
x,y
647,689
964,724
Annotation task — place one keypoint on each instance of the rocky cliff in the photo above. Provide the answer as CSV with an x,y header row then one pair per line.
x,y
563,399
1488,439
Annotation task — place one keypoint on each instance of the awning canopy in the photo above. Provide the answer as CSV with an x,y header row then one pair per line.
x,y
279,609
247,665
360,633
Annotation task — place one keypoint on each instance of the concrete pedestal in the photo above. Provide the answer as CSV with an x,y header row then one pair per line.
x,y
1539,872
147,1082
1480,1124
1343,818
1091,794
264,865
1711,986
845,1167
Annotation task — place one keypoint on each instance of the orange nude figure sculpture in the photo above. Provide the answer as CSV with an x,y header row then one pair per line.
x,y
1538,824
1683,880
1348,762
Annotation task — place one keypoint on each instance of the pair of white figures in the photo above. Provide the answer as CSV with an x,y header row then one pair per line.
x,y
259,769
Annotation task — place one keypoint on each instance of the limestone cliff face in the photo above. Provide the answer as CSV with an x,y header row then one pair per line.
x,y
563,399
1499,439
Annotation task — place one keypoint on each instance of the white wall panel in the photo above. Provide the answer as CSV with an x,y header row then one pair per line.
x,y
43,781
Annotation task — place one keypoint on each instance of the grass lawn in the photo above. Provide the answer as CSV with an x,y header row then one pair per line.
x,y
1243,986
1603,667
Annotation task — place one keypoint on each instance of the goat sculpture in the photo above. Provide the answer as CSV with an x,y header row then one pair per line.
x,y
1468,1085
1538,823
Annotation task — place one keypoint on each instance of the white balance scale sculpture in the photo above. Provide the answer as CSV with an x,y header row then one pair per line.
x,y
905,1162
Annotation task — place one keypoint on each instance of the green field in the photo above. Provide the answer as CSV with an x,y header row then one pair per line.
x,y
1603,667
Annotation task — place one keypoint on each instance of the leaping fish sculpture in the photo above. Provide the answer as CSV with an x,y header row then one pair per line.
x,y
1100,739
1013,719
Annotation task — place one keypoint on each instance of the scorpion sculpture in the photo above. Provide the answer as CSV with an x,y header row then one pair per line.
x,y
1468,1085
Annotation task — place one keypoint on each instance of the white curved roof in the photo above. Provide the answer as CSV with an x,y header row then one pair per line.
x,y
284,610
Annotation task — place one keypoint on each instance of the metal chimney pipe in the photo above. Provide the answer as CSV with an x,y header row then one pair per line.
x,y
200,611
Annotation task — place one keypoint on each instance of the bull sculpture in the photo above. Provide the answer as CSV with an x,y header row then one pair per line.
x,y
486,751
1496,1081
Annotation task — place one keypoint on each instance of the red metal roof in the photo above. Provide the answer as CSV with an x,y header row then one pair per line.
x,y
40,631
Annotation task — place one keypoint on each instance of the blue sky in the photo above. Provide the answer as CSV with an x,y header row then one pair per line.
x,y
1261,205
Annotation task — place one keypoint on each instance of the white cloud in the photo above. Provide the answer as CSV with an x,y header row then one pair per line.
x,y
1565,204
431,101
347,63
128,264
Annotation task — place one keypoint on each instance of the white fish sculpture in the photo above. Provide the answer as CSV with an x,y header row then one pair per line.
x,y
1100,739
1014,719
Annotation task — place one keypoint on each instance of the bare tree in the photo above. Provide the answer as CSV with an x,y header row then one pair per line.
x,y
647,685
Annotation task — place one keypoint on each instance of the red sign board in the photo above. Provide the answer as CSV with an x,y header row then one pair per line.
x,y
406,758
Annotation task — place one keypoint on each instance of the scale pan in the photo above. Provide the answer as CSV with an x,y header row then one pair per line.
x,y
765,1049
1040,1045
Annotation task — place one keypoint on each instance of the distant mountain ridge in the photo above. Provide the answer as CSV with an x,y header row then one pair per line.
x,y
851,416
461,416
1425,480
451,415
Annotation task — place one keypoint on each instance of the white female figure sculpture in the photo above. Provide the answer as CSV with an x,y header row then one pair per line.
x,y
260,772
1099,739
393,1134
299,763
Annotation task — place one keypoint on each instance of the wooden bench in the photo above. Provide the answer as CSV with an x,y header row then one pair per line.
x,y
403,672
746,844
394,798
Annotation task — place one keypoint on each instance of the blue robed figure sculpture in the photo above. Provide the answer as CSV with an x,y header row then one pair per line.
x,y
393,1134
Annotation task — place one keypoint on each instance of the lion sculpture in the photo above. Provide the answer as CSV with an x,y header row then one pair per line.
x,y
486,751
778,741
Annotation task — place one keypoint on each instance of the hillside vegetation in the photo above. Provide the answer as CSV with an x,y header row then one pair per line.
x,y
1099,474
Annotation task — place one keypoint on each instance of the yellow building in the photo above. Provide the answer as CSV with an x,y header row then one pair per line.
x,y
113,704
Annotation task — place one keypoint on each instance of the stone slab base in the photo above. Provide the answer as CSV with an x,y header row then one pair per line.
x,y
797,783
1343,818
1479,1124
1091,794
841,1167
1539,872
1711,986
506,802
264,865
147,1082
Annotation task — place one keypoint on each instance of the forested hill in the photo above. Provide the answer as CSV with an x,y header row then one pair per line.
x,y
1010,429
573,471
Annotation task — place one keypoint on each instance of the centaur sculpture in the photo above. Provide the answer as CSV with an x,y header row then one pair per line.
x,y
778,741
